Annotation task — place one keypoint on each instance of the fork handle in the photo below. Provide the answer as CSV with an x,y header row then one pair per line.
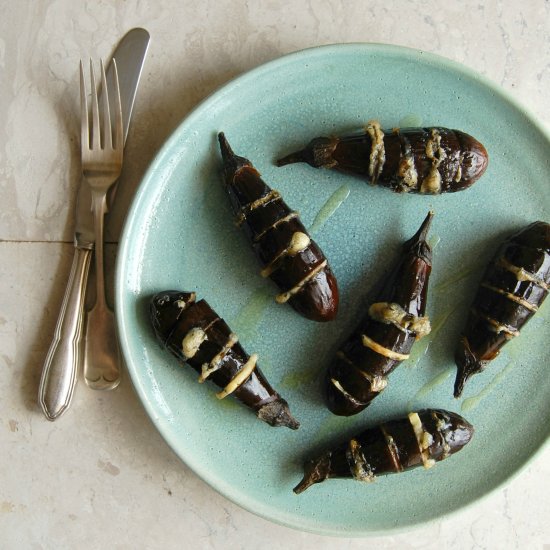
x,y
64,356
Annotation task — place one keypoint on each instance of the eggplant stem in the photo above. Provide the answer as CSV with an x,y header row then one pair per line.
x,y
422,233
276,413
468,365
297,156
315,471
232,163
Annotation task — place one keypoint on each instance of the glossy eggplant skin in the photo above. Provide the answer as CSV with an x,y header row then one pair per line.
x,y
422,438
407,160
282,245
386,334
194,333
515,284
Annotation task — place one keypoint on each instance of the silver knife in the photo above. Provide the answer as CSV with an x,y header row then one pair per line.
x,y
63,361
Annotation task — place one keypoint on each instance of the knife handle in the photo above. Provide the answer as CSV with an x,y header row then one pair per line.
x,y
64,356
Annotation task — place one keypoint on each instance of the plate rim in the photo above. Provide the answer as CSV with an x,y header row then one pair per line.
x,y
360,48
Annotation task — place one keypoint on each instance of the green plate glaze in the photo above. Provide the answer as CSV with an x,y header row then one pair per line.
x,y
180,234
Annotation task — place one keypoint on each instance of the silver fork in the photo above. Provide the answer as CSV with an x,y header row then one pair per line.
x,y
101,167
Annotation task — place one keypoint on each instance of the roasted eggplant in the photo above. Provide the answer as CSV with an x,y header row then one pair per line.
x,y
287,254
423,437
407,160
193,332
514,285
386,334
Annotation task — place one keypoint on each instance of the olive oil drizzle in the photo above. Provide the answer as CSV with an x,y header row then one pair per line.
x,y
329,207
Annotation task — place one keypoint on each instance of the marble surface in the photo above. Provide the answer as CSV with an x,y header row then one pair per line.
x,y
101,476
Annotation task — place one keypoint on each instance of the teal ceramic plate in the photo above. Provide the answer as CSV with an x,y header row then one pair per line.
x,y
180,234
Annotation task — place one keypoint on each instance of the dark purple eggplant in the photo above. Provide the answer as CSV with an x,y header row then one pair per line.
x,y
287,254
193,332
422,438
407,160
386,334
514,285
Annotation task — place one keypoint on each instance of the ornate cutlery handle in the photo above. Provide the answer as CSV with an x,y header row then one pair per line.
x,y
64,356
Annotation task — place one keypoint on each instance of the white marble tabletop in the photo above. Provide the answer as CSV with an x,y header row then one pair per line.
x,y
101,476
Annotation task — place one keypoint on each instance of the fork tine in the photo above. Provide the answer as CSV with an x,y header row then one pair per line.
x,y
84,122
119,131
107,132
96,131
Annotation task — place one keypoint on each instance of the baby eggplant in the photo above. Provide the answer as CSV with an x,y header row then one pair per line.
x,y
424,437
193,332
514,285
407,160
386,335
286,252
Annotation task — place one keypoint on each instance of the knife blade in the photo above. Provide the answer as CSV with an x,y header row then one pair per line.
x,y
130,56
63,360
